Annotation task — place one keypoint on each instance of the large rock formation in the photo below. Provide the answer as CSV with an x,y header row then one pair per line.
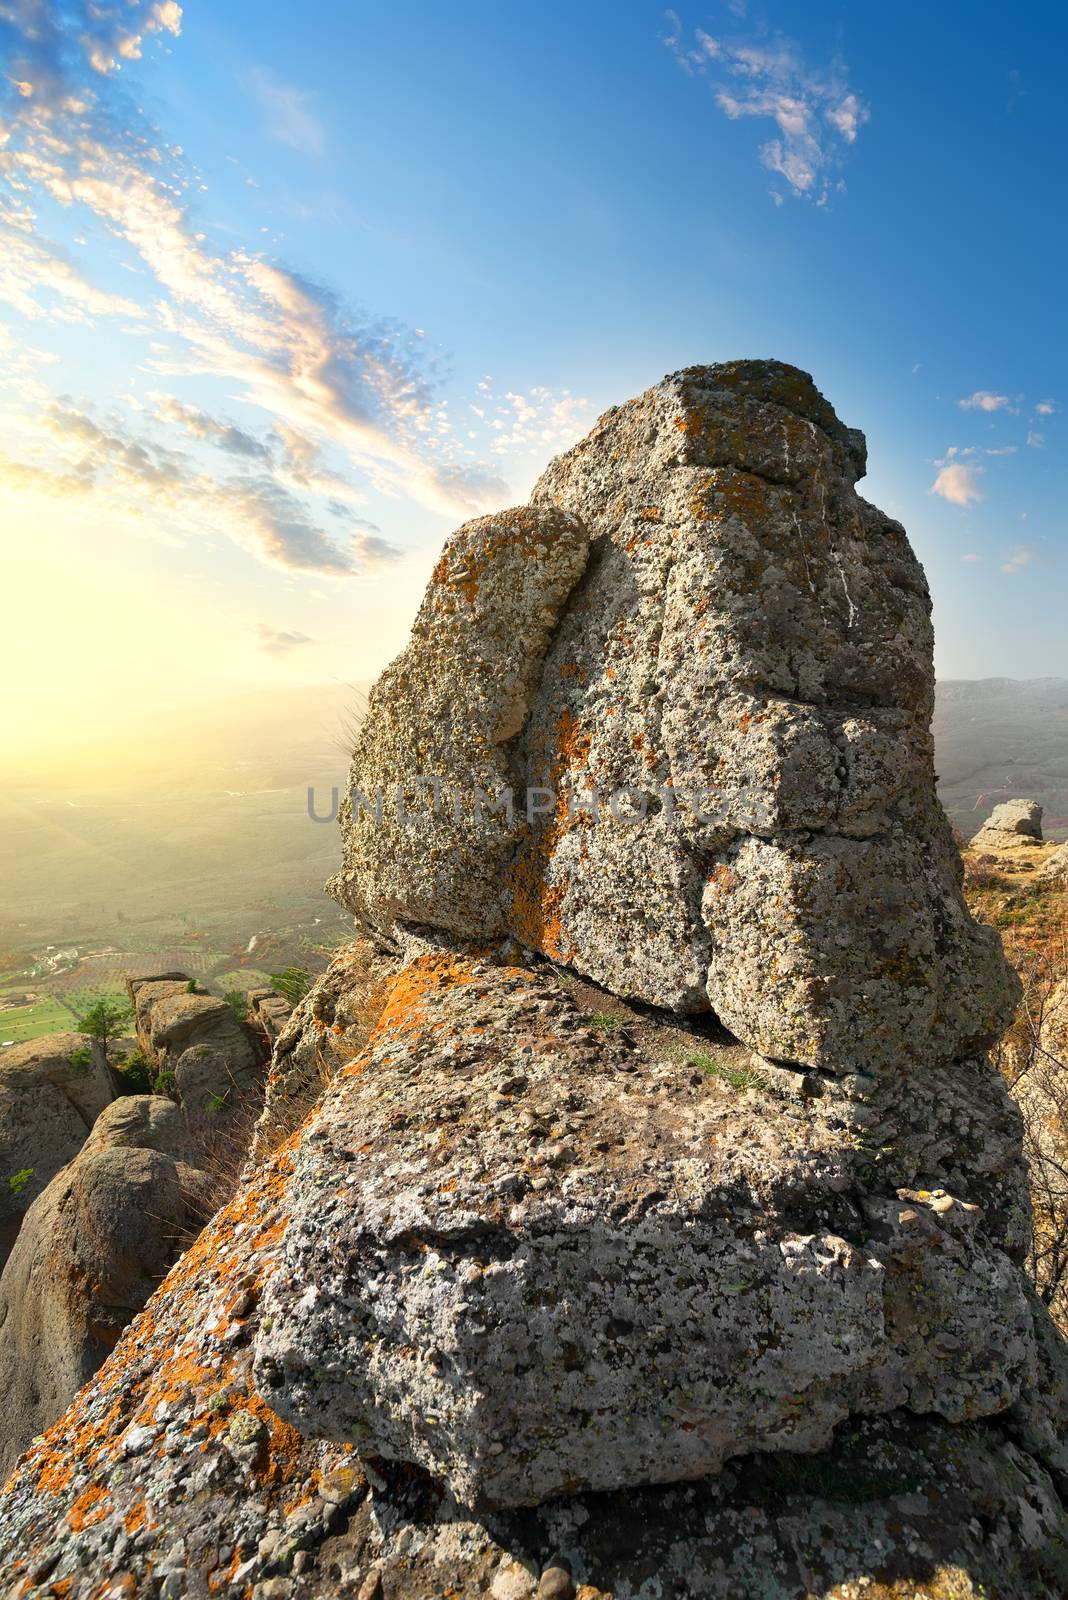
x,y
700,619
521,1297
91,1250
51,1092
556,1264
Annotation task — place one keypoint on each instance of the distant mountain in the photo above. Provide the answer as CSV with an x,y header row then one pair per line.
x,y
1001,739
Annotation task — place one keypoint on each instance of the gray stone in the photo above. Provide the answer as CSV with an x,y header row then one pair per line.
x,y
323,1031
48,1103
723,627
709,1276
1055,870
1013,822
449,710
92,1248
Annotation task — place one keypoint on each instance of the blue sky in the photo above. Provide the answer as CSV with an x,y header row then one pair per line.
x,y
287,293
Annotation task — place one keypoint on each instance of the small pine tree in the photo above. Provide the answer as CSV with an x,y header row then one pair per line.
x,y
106,1020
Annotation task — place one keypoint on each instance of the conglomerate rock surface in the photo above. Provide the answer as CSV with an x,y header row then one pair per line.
x,y
700,619
227,1446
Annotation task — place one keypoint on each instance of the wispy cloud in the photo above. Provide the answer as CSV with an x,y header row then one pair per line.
x,y
958,483
1036,440
984,400
199,425
1022,556
542,420
290,120
335,402
972,558
817,114
280,641
68,452
1046,408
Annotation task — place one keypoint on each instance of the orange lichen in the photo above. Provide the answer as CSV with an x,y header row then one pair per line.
x,y
136,1517
87,1509
406,997
537,904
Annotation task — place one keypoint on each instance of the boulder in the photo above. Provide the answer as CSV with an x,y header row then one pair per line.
x,y
446,716
544,1298
731,651
1014,822
49,1100
92,1248
556,1265
269,1010
176,1470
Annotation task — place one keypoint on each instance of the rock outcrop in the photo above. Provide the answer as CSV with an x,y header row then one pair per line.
x,y
720,637
1056,868
200,1052
51,1092
208,1451
1015,822
524,1303
328,1027
555,1264
268,1010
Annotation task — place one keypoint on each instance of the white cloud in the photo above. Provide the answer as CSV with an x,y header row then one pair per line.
x,y
1037,441
815,112
542,420
984,400
1046,408
290,119
280,641
958,484
1022,556
37,280
972,557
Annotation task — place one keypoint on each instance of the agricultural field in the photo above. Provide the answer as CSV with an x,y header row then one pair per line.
x,y
47,1015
